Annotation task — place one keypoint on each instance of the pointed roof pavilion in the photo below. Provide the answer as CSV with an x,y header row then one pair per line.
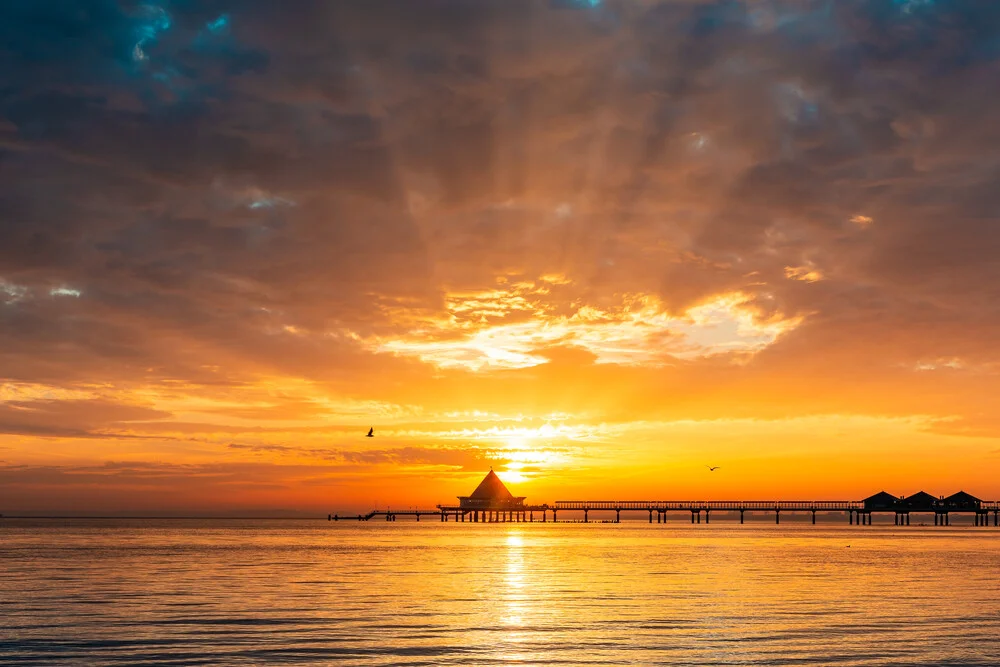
x,y
491,493
491,488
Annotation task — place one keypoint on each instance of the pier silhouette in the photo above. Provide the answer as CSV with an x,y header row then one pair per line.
x,y
492,502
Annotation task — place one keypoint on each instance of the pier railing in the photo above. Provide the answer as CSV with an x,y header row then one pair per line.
x,y
721,505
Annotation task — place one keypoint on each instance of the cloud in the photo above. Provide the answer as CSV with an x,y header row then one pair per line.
x,y
511,327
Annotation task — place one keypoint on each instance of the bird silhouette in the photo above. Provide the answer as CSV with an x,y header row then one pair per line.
x,y
712,468
371,432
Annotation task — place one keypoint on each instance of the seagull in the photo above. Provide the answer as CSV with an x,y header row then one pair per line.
x,y
371,432
712,468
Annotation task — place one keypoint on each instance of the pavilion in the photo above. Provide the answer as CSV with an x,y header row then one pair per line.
x,y
492,501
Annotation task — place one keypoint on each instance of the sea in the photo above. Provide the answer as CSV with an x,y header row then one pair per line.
x,y
313,592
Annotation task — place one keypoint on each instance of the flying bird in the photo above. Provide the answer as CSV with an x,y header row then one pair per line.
x,y
371,432
712,468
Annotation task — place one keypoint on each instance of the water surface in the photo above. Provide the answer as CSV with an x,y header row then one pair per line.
x,y
173,592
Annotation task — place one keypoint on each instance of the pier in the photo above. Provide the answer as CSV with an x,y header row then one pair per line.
x,y
492,502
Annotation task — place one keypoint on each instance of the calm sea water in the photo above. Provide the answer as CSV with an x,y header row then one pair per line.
x,y
172,592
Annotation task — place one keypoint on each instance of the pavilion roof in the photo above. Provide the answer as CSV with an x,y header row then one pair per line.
x,y
492,489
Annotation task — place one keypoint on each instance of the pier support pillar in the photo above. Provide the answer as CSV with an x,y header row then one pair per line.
x,y
850,517
618,516
707,513
895,519
699,516
554,518
814,517
586,519
651,516
545,517
996,519
777,516
531,516
692,516
741,517
947,519
907,518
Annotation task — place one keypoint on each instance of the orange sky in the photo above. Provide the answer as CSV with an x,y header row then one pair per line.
x,y
597,246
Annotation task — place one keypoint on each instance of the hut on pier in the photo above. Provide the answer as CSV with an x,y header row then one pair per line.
x,y
962,502
921,501
491,494
881,502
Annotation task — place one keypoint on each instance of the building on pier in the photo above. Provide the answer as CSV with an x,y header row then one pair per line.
x,y
881,502
921,501
962,502
492,501
491,494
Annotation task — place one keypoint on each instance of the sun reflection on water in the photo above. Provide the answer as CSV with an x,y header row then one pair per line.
x,y
514,590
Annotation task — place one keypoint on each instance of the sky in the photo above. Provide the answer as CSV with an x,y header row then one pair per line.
x,y
595,245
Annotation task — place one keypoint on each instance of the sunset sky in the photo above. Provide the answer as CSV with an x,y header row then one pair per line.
x,y
597,245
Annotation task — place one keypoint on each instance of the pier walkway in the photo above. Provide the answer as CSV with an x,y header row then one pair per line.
x,y
858,511
492,502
